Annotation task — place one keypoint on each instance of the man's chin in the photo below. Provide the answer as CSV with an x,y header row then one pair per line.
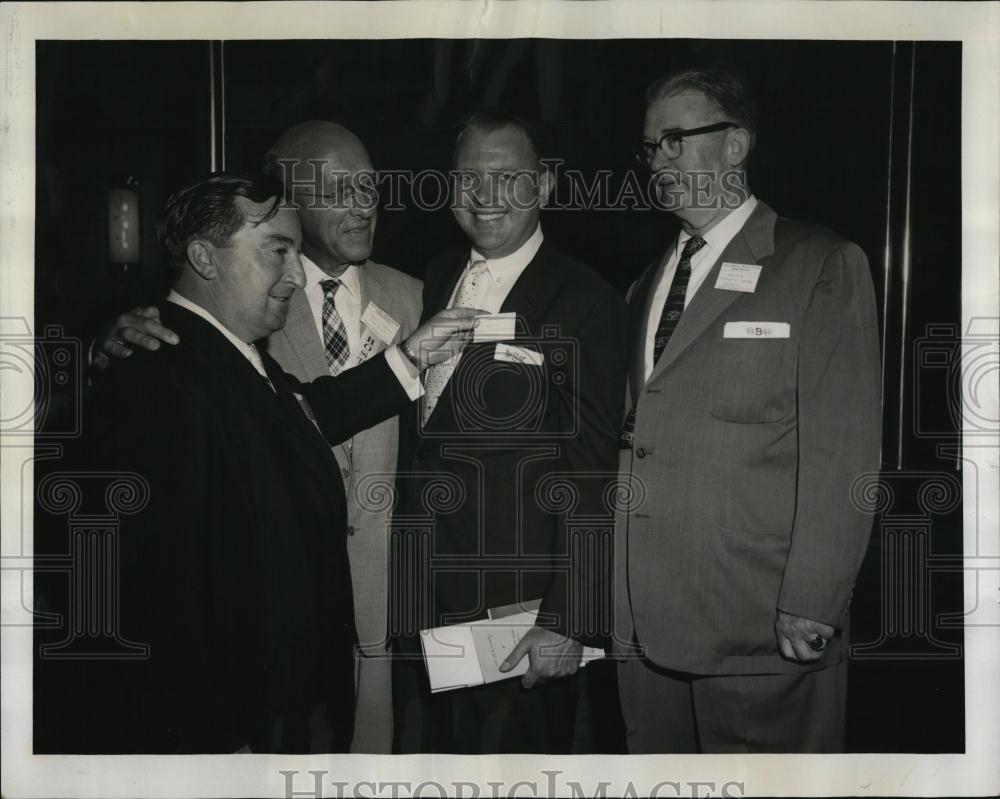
x,y
358,255
672,197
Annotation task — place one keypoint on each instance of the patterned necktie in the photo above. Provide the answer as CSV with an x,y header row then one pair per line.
x,y
334,331
672,310
438,375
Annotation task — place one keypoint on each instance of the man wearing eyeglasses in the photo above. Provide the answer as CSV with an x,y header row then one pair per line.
x,y
754,393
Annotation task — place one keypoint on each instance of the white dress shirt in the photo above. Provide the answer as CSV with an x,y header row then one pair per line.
x,y
501,274
716,240
248,351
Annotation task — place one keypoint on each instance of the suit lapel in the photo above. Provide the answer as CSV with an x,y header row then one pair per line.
x,y
367,288
444,285
303,435
371,290
751,245
640,308
302,337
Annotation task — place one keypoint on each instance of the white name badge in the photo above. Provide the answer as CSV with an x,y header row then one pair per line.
x,y
494,327
511,354
738,277
380,323
757,330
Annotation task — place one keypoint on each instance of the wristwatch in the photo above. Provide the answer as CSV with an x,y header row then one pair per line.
x,y
410,355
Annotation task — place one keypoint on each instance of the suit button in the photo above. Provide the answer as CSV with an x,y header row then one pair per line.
x,y
350,529
345,473
640,452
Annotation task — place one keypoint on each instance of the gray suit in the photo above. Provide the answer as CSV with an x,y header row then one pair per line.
x,y
747,449
372,454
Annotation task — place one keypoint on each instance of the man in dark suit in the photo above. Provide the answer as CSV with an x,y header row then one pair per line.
x,y
523,432
349,311
236,573
754,406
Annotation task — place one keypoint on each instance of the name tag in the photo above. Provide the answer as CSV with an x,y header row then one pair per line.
x,y
369,346
494,327
757,330
507,352
738,277
380,323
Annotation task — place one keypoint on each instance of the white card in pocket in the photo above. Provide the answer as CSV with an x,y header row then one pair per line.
x,y
512,354
757,330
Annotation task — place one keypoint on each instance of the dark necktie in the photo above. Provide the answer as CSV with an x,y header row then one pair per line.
x,y
672,310
334,331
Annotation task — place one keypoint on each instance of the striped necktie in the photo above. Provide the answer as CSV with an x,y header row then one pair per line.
x,y
334,332
438,375
672,310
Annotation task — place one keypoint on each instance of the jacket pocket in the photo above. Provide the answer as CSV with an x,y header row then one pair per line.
x,y
748,568
751,380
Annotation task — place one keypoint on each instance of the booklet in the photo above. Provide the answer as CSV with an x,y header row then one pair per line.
x,y
464,655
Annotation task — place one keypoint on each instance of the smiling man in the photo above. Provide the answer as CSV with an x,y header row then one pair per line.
x,y
235,574
348,310
517,424
754,406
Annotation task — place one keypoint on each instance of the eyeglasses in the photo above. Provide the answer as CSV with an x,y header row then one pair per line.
x,y
671,144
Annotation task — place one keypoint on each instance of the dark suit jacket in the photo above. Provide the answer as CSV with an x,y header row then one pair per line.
x,y
503,492
368,460
236,572
746,450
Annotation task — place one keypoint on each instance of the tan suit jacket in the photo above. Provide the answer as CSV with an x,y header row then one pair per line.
x,y
745,454
371,455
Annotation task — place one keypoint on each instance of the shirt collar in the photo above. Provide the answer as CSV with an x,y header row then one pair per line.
x,y
349,279
718,237
501,270
248,351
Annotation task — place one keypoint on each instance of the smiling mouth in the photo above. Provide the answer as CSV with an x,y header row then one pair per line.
x,y
488,216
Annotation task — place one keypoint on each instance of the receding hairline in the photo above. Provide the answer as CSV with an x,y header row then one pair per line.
x,y
315,139
488,128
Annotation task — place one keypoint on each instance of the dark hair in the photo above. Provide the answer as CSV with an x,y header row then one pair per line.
x,y
491,121
729,90
205,208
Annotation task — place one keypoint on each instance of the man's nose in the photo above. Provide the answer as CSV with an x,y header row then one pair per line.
x,y
661,161
485,194
363,207
294,273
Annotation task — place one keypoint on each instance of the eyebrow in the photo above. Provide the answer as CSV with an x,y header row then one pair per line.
x,y
278,238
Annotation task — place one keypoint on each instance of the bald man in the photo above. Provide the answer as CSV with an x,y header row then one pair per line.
x,y
350,310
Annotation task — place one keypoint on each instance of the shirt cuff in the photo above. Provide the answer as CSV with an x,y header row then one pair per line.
x,y
406,373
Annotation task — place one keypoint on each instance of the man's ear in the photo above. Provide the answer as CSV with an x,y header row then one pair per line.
x,y
201,256
738,146
545,181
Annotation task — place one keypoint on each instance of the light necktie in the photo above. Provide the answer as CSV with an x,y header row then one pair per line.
x,y
672,310
334,331
438,375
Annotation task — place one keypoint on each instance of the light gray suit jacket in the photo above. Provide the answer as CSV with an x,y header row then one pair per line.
x,y
745,454
368,462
